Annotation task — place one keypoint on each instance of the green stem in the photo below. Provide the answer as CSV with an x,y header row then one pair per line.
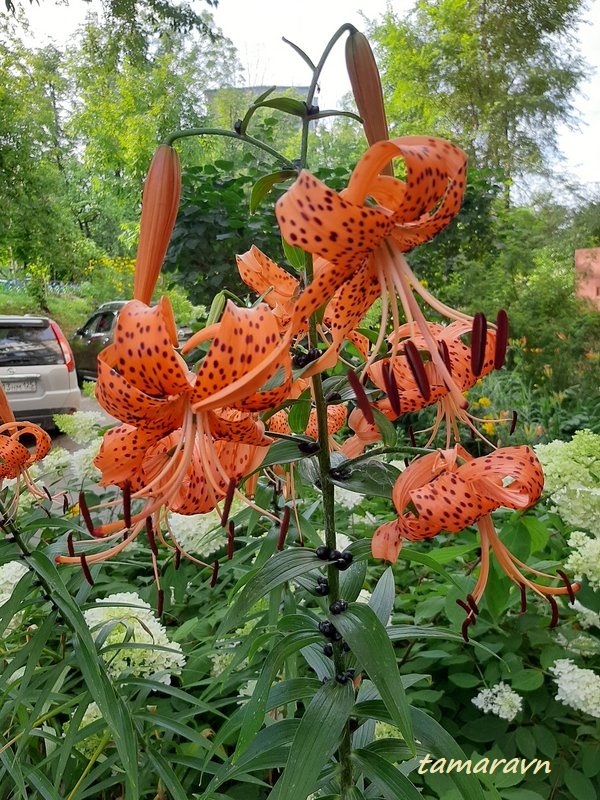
x,y
333,573
347,27
187,132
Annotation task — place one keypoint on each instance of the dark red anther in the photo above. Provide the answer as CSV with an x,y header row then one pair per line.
x,y
86,570
465,627
472,604
406,462
177,558
411,436
554,607
230,539
285,523
70,547
228,502
568,584
151,537
361,397
215,574
445,354
391,387
523,598
464,606
65,503
85,513
127,504
478,343
513,424
160,602
48,495
414,361
501,338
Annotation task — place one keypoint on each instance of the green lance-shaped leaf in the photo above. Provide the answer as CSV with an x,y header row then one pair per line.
x,y
440,744
386,428
288,105
263,186
316,739
374,478
374,652
256,707
283,452
111,705
278,569
300,412
295,255
390,782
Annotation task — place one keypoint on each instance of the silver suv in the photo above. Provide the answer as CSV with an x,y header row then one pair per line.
x,y
37,369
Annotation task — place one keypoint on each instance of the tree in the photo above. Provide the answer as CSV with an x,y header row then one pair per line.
x,y
37,223
495,77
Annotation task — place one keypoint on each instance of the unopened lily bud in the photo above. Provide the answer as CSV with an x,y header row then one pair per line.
x,y
366,87
160,202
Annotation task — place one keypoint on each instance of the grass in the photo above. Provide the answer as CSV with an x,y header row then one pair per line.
x,y
70,311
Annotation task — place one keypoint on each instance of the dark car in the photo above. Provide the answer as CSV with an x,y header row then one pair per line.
x,y
96,334
37,369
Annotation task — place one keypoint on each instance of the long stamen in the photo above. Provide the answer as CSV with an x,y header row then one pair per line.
x,y
501,339
391,387
361,397
414,361
478,343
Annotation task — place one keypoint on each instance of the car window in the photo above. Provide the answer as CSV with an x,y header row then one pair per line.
x,y
28,345
99,323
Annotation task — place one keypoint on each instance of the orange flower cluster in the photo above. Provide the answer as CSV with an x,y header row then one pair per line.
x,y
188,438
15,458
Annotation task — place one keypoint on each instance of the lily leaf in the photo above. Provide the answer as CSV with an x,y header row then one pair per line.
x,y
263,185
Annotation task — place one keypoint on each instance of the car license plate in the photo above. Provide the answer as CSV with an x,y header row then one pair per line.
x,y
19,387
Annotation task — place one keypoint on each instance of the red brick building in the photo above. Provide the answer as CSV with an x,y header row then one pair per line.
x,y
587,274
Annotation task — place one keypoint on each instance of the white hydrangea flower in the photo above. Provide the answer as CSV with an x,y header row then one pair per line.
x,y
499,700
199,533
82,462
347,499
572,477
53,466
82,426
584,561
10,574
578,688
582,644
88,746
137,624
586,617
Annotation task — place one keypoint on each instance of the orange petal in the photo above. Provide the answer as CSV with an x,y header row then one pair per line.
x,y
121,454
143,352
246,352
13,457
130,405
265,276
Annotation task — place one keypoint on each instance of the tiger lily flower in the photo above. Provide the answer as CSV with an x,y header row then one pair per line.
x,y
15,458
363,245
449,490
186,438
409,392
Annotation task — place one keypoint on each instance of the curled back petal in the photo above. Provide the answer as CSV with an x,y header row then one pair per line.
x,y
266,278
246,352
130,405
143,350
121,455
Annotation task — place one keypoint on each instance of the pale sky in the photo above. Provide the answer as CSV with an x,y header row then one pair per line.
x,y
256,28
